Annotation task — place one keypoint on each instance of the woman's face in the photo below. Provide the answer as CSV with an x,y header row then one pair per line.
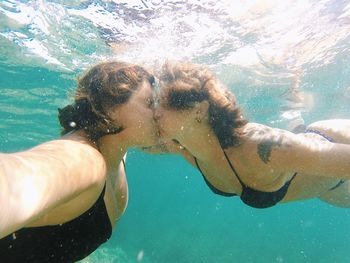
x,y
136,116
172,123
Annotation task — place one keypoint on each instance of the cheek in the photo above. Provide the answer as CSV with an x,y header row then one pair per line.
x,y
144,112
147,117
170,122
164,119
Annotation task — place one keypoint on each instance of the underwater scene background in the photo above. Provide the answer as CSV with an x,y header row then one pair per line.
x,y
286,61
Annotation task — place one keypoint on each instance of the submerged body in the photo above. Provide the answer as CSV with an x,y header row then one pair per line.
x,y
262,165
63,231
250,166
61,199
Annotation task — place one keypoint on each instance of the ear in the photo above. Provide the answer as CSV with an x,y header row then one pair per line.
x,y
202,109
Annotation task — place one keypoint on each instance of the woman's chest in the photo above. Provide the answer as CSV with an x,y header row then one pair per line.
x,y
116,195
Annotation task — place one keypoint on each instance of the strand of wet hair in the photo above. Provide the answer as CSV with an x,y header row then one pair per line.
x,y
225,117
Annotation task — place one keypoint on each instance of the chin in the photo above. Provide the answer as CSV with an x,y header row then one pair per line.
x,y
164,135
150,142
158,148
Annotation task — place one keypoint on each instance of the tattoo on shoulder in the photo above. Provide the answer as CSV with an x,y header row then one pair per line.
x,y
264,150
265,147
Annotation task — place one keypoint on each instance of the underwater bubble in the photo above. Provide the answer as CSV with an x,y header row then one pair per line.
x,y
140,255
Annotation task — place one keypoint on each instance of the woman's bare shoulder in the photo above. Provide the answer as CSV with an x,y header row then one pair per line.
x,y
264,140
310,154
73,153
258,133
68,145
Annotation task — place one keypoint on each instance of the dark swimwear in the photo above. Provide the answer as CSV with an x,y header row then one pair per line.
x,y
256,198
69,242
319,133
250,196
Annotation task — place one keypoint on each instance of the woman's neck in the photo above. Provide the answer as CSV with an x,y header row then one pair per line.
x,y
113,148
201,142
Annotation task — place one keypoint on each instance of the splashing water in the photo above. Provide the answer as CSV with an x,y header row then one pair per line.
x,y
258,48
270,35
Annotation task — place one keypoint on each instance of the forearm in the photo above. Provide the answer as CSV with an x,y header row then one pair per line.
x,y
337,161
318,159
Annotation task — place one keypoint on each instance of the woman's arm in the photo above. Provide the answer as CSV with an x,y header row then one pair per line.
x,y
121,186
35,181
308,156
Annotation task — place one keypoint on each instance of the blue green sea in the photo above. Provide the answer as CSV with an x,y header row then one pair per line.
x,y
257,48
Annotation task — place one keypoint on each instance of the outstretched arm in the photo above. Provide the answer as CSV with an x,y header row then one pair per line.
x,y
35,181
297,153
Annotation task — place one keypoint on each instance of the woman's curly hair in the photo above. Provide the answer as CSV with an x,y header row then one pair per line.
x,y
102,87
185,84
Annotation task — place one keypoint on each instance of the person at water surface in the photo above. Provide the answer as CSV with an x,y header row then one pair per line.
x,y
62,199
200,119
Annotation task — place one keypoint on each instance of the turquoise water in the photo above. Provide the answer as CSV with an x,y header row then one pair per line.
x,y
172,216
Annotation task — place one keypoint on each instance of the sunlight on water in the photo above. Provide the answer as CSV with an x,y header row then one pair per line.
x,y
274,35
257,44
285,50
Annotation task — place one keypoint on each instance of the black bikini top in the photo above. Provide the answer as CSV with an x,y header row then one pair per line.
x,y
250,196
68,242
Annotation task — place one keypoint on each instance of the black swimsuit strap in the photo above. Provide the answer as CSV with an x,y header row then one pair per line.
x,y
239,179
233,169
123,161
338,184
215,190
319,133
